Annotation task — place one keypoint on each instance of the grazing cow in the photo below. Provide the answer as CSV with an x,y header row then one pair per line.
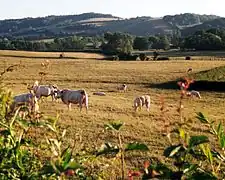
x,y
25,99
75,97
122,87
141,101
194,93
45,90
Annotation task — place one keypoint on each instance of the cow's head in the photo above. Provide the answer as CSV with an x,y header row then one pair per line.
x,y
57,93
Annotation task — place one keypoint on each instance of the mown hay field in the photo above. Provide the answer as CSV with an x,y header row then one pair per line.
x,y
99,75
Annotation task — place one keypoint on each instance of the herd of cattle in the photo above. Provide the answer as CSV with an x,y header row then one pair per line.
x,y
69,97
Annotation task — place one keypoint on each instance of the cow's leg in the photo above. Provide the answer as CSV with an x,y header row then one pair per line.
x,y
140,105
42,99
53,97
86,108
80,104
69,106
148,106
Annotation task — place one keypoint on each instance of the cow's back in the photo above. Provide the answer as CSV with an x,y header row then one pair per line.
x,y
44,90
22,98
71,96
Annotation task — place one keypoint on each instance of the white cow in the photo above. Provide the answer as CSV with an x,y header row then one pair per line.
x,y
45,90
28,99
122,87
194,93
74,97
141,101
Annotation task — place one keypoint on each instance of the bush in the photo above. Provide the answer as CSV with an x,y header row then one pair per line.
x,y
116,58
188,58
127,57
61,55
155,55
163,58
142,56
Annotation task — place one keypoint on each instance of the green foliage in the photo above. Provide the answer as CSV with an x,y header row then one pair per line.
x,y
192,155
204,41
136,146
107,148
16,161
200,116
114,125
188,19
161,43
141,43
197,140
153,39
218,23
117,43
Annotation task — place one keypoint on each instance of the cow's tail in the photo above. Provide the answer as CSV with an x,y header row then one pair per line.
x,y
85,98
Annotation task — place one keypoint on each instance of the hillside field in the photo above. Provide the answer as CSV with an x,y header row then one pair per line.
x,y
100,75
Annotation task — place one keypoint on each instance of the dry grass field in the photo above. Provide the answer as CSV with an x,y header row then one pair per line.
x,y
99,75
51,55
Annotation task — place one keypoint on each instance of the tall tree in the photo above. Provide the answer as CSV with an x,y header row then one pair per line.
x,y
117,43
141,43
162,43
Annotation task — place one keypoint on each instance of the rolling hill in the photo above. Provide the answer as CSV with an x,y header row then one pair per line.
x,y
216,23
188,19
89,24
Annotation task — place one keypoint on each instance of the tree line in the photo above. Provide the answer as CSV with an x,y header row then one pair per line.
x,y
122,43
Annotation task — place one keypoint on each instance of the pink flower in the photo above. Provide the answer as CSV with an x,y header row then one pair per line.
x,y
69,172
146,164
132,174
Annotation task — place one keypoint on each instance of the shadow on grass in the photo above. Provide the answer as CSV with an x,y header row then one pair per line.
x,y
218,86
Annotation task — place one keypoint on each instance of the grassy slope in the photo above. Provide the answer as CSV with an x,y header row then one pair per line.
x,y
215,74
94,75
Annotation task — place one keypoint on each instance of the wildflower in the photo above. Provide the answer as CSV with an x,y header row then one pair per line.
x,y
69,172
146,165
132,174
184,85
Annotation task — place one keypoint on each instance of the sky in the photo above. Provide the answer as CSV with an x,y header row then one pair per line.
x,y
11,9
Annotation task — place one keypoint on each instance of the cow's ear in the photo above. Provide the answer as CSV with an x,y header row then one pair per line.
x,y
82,92
54,86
